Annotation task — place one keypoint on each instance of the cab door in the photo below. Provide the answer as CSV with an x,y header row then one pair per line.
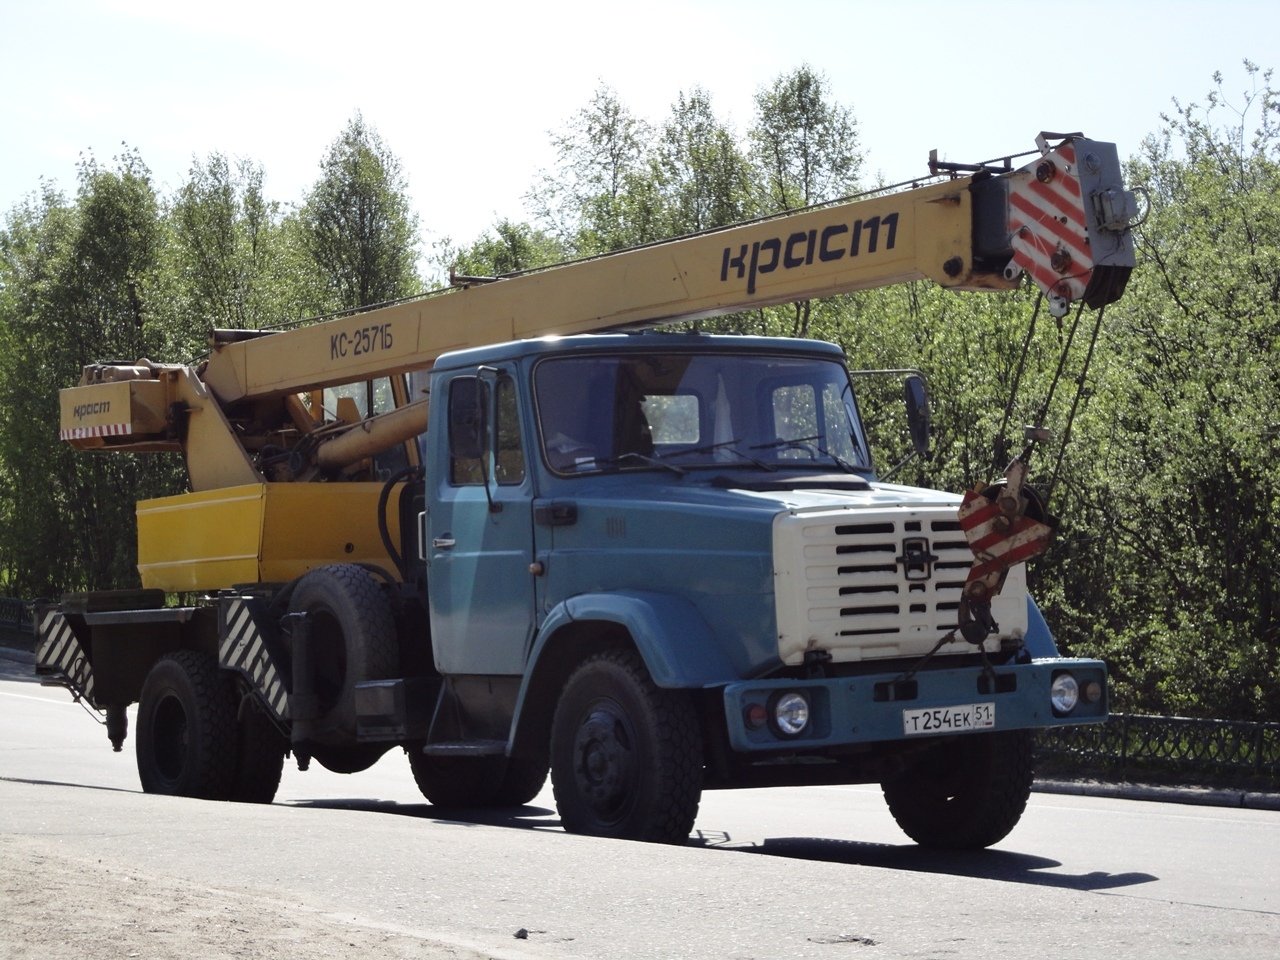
x,y
480,531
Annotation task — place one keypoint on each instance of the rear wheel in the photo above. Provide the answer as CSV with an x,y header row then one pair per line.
x,y
626,755
260,757
187,734
966,793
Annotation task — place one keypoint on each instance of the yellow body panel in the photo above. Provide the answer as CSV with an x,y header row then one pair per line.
x,y
924,233
257,533
157,407
127,408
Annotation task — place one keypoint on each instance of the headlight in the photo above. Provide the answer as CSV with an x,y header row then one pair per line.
x,y
1064,693
791,714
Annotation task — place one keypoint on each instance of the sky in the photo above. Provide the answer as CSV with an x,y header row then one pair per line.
x,y
466,95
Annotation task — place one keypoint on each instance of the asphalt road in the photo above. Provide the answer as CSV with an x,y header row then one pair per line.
x,y
814,872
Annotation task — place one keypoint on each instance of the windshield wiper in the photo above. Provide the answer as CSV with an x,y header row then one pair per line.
x,y
643,458
796,443
722,445
806,444
842,463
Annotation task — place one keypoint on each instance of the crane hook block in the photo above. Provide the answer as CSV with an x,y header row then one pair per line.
x,y
1069,224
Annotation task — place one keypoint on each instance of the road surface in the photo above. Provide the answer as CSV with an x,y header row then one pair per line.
x,y
346,867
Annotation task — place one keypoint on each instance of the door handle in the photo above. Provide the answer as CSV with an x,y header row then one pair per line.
x,y
444,543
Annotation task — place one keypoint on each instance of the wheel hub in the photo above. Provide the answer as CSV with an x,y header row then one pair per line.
x,y
605,767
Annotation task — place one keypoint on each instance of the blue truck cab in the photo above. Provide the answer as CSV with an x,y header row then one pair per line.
x,y
663,562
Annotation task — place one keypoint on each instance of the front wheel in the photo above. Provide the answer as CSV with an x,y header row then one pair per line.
x,y
626,755
964,794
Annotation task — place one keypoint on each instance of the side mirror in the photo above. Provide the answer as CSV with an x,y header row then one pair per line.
x,y
916,395
467,418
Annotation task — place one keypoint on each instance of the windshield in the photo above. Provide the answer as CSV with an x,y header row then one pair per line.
x,y
680,411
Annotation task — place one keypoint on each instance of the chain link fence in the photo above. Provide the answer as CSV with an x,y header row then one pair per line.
x,y
1131,747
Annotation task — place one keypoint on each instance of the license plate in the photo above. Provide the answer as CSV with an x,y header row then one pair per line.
x,y
967,716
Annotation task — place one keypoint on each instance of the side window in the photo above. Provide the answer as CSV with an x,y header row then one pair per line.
x,y
383,398
509,461
467,402
502,440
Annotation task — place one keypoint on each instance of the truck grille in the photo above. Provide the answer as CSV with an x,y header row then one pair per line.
x,y
876,584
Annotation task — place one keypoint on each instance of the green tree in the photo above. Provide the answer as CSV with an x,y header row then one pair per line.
x,y
78,287
235,266
357,225
507,248
598,197
1176,583
804,146
699,169
804,150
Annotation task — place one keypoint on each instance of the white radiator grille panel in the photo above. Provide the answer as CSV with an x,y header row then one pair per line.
x,y
877,583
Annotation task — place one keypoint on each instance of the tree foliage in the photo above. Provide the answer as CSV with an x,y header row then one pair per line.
x,y
357,225
507,248
1177,587
803,146
235,265
79,281
698,169
594,201
1168,488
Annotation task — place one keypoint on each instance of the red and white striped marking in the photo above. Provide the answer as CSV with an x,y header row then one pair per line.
x,y
996,550
101,430
1048,217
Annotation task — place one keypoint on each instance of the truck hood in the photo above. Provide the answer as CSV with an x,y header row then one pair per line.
x,y
877,495
762,492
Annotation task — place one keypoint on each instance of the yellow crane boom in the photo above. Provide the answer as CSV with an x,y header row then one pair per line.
x,y
1062,219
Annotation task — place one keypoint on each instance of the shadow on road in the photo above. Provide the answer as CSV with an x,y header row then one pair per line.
x,y
986,864
526,818
17,670
64,783
1000,865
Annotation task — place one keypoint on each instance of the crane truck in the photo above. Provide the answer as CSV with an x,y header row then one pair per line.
x,y
516,528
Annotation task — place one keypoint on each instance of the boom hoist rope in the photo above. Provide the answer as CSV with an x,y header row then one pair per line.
x,y
1060,233
1007,522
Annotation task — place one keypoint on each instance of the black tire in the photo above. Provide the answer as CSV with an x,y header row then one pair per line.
x,y
523,780
260,757
187,735
353,636
457,781
476,781
352,758
966,793
626,755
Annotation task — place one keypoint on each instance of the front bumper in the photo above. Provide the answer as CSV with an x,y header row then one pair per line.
x,y
877,708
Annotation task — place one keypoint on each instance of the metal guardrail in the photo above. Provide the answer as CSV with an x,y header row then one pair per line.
x,y
1131,746
15,614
